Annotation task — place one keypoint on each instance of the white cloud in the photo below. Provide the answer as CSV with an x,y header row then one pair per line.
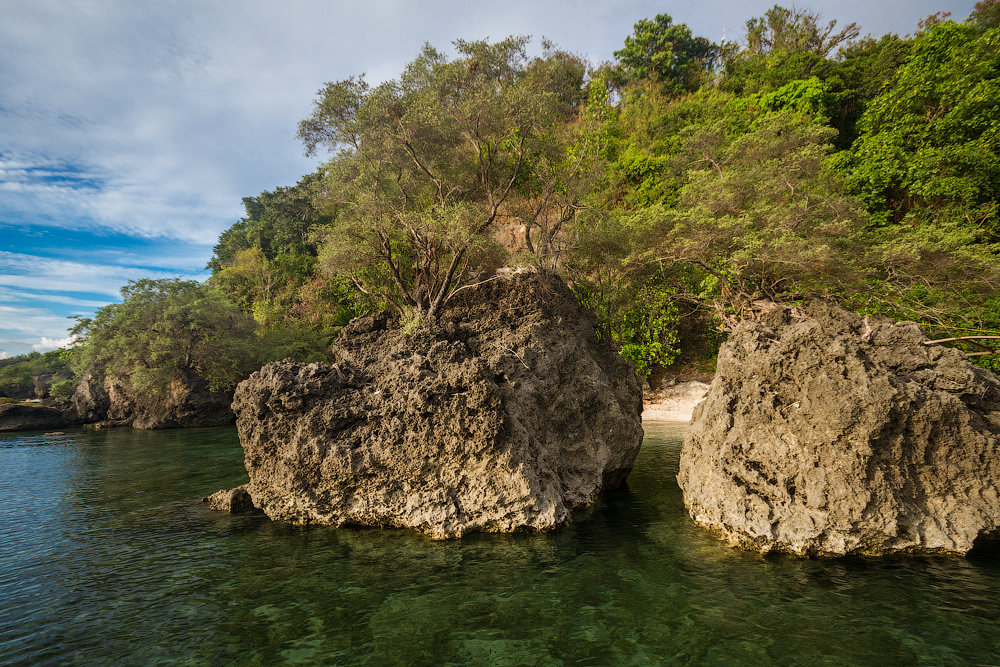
x,y
4,355
48,344
28,272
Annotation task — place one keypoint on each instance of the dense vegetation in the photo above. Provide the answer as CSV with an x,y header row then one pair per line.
x,y
678,189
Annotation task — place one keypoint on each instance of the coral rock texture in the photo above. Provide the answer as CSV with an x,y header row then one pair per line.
x,y
501,415
827,434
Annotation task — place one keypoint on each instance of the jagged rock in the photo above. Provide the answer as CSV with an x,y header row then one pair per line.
x,y
234,501
187,403
20,417
824,433
90,399
502,415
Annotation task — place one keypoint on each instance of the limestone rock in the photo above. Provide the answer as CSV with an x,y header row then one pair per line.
x,y
824,433
502,415
187,403
235,501
90,399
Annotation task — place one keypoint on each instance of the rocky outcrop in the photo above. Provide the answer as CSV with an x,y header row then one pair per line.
x,y
187,403
90,400
234,501
825,433
501,415
20,417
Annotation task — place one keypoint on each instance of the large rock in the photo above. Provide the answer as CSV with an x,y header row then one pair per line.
x,y
90,399
824,433
502,415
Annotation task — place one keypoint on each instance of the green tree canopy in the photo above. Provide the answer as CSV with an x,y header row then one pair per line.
x,y
761,214
667,53
929,144
782,46
427,166
167,330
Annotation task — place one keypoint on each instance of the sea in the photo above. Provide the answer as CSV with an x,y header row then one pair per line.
x,y
109,557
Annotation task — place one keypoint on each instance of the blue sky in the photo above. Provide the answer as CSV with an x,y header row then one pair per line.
x,y
130,131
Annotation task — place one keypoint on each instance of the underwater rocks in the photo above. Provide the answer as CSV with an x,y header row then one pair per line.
x,y
825,433
501,415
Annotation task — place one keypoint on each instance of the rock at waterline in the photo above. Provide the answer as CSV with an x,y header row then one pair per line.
x,y
234,501
502,415
825,433
20,417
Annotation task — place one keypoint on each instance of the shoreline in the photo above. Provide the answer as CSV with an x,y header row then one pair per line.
x,y
675,403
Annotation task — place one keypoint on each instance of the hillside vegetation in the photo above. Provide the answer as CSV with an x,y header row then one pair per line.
x,y
678,189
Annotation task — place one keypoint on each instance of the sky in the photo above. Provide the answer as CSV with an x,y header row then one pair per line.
x,y
131,130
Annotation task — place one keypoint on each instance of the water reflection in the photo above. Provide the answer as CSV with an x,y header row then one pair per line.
x,y
108,558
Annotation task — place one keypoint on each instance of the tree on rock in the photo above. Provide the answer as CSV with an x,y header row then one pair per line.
x,y
427,166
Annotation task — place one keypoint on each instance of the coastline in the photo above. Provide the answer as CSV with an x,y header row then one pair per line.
x,y
675,403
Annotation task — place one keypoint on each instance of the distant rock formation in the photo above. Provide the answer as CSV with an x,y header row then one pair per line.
x,y
501,415
825,433
20,417
187,403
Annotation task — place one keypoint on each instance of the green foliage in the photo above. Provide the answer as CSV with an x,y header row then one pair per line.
x,y
61,390
277,224
16,373
166,330
930,144
667,54
986,15
427,166
761,212
782,46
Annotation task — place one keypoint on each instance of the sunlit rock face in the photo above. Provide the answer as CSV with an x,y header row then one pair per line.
x,y
825,433
502,415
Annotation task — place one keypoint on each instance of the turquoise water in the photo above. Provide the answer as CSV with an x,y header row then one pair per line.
x,y
108,558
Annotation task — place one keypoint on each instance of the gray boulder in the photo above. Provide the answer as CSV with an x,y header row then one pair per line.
x,y
502,415
825,433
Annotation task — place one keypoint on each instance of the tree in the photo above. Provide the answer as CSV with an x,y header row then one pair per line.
x,y
760,213
427,166
668,54
929,144
276,223
782,46
986,15
167,330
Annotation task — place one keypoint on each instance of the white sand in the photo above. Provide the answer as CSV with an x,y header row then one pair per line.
x,y
675,403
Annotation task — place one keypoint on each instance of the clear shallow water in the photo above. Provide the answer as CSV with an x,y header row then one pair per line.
x,y
108,558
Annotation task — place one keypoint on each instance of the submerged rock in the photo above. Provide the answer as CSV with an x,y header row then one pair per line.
x,y
234,501
502,415
824,433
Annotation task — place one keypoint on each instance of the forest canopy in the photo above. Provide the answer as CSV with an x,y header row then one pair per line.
x,y
679,189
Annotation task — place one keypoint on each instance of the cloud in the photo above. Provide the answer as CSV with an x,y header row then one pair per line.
x,y
48,344
28,272
4,355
